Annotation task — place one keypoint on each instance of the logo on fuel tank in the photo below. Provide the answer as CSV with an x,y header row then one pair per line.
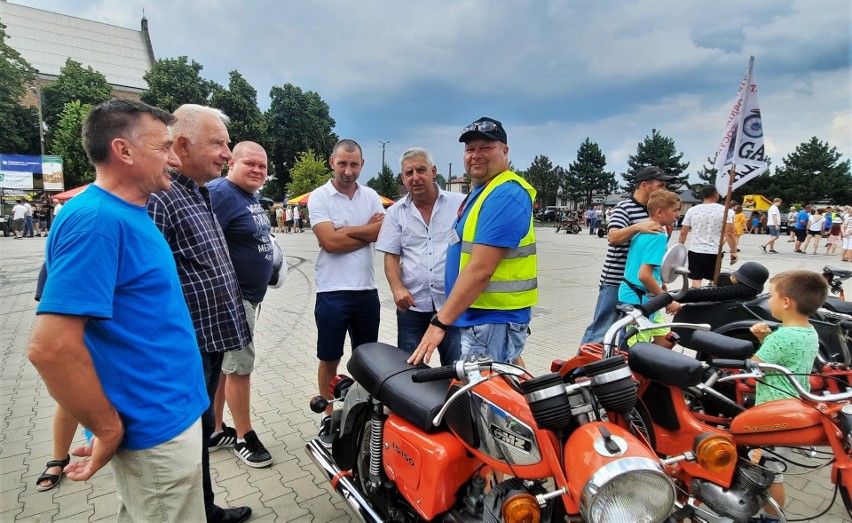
x,y
511,438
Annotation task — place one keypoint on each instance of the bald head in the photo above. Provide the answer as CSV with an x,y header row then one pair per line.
x,y
248,166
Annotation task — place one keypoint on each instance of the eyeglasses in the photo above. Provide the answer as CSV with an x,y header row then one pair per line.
x,y
485,127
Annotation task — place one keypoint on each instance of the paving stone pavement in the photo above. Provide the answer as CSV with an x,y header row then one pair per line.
x,y
285,378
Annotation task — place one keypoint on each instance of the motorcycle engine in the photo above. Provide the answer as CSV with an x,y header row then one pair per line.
x,y
748,492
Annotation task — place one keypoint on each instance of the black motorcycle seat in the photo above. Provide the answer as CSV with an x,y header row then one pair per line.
x,y
721,346
738,292
665,365
843,274
383,371
835,304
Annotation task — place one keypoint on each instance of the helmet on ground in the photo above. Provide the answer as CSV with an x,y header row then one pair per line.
x,y
751,274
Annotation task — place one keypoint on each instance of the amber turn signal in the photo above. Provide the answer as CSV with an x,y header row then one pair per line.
x,y
716,453
521,508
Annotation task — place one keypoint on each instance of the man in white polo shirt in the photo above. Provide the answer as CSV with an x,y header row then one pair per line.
x,y
346,218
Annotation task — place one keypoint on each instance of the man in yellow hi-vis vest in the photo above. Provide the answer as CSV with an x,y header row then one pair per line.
x,y
491,260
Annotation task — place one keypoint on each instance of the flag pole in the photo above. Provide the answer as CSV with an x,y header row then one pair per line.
x,y
732,173
719,256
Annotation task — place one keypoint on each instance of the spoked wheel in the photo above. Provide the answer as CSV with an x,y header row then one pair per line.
x,y
575,229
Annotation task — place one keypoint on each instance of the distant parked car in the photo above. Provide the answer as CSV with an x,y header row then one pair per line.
x,y
550,214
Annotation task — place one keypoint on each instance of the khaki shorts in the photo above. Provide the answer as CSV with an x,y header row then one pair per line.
x,y
241,361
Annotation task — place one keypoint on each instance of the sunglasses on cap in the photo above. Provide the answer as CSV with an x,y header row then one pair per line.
x,y
485,127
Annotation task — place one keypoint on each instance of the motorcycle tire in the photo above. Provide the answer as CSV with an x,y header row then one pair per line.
x,y
575,229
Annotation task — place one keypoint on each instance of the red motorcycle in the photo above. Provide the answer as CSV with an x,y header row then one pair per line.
x,y
715,478
485,441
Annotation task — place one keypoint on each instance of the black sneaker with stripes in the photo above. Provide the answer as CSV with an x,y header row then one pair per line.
x,y
252,451
227,437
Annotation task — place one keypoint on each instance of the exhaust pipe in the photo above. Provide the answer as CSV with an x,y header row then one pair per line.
x,y
356,505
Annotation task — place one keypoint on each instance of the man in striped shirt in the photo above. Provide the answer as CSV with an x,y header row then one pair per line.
x,y
628,218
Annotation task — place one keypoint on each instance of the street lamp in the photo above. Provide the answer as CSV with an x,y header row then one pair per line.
x,y
37,91
383,152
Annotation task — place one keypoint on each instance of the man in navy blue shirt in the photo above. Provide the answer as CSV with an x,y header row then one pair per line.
x,y
246,226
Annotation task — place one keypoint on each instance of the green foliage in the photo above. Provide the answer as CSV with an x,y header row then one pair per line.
x,y
239,102
545,178
19,124
74,83
386,183
296,121
309,171
814,172
656,150
441,181
67,144
173,82
587,176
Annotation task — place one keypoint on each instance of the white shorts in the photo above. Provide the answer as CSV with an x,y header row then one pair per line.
x,y
847,242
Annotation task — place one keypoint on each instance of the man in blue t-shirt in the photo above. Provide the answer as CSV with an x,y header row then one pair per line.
x,y
246,227
491,265
111,283
802,228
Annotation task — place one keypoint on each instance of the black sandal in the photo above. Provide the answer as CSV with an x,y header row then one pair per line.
x,y
52,478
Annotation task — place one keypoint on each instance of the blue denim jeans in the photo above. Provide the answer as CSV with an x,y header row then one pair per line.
x,y
500,341
410,328
605,315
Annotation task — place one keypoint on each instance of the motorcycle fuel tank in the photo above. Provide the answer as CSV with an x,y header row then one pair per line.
x,y
782,423
428,468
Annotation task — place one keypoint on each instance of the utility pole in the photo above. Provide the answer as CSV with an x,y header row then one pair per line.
x,y
383,152
450,174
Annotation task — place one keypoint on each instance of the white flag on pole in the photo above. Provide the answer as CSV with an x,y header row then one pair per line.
x,y
742,142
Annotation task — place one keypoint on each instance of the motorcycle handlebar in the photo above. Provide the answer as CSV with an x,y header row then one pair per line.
x,y
446,372
758,372
654,304
733,364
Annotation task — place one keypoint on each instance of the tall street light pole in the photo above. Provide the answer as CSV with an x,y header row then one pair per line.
x,y
37,92
383,152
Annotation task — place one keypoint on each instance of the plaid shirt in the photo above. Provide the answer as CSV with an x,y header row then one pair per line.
x,y
184,216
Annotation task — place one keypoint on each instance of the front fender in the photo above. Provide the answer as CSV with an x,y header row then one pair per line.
x,y
354,414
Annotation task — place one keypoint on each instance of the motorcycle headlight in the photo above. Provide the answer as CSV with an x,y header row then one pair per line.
x,y
629,489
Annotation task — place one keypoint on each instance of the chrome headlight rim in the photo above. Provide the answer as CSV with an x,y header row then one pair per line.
x,y
617,469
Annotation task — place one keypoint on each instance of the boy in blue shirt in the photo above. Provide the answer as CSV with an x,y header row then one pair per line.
x,y
793,296
642,270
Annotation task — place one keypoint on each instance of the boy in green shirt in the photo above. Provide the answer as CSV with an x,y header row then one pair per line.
x,y
793,296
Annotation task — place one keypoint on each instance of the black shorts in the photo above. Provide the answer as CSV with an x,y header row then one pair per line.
x,y
702,266
801,234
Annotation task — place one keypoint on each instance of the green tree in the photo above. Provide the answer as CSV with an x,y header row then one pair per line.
x,y
74,83
173,82
296,121
239,102
587,176
309,171
67,144
441,181
813,172
658,150
545,178
19,124
386,183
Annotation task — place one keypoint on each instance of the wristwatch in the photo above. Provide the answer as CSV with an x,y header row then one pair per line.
x,y
437,323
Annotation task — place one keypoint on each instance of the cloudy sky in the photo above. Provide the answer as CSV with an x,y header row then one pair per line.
x,y
555,72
